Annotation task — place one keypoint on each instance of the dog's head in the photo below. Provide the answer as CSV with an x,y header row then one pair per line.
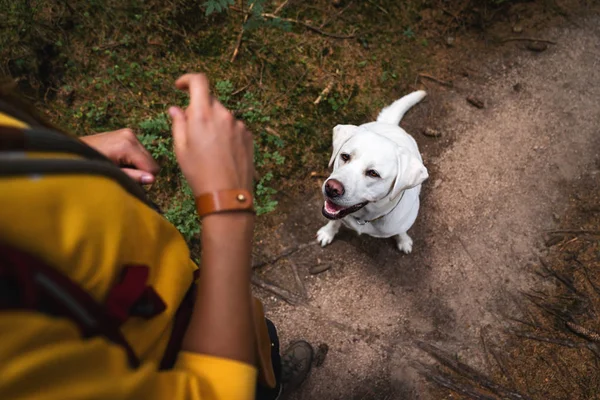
x,y
367,168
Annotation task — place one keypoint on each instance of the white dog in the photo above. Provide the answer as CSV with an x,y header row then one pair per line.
x,y
376,179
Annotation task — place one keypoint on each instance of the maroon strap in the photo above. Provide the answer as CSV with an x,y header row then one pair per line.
x,y
27,283
30,284
180,324
132,297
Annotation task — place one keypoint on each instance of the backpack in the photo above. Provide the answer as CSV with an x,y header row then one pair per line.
x,y
28,282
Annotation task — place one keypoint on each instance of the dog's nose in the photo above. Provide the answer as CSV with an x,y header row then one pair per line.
x,y
334,188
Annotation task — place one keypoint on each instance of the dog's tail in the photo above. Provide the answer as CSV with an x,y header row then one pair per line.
x,y
393,113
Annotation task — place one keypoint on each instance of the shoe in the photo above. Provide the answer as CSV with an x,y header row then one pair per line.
x,y
296,362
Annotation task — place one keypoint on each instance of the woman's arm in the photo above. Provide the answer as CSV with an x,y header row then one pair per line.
x,y
215,152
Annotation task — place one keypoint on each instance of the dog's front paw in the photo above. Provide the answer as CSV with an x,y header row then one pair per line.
x,y
325,235
404,243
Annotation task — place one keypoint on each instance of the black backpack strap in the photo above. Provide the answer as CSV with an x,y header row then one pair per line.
x,y
44,140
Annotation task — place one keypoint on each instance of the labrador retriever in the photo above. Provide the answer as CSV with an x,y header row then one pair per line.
x,y
376,179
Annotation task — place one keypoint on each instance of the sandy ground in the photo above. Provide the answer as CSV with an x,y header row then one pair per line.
x,y
493,191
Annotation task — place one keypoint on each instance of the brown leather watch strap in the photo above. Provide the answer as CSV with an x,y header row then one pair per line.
x,y
224,201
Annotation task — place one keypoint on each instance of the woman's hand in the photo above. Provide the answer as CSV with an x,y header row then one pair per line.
x,y
214,150
124,149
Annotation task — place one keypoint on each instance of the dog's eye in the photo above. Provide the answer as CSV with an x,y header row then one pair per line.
x,y
373,174
345,157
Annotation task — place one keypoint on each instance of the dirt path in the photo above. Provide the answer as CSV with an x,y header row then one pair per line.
x,y
491,195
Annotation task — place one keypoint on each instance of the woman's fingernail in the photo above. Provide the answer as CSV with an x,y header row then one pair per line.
x,y
147,179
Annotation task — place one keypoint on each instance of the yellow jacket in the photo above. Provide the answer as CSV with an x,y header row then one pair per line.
x,y
63,220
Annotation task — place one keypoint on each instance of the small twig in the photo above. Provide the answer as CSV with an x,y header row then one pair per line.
x,y
500,361
560,342
286,295
526,39
449,383
272,131
486,350
240,90
171,30
241,111
584,332
576,231
562,247
241,34
324,93
469,372
378,6
298,279
562,279
309,26
280,7
450,13
433,78
109,46
328,20
285,253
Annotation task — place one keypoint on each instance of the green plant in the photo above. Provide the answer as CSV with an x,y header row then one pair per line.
x,y
224,91
264,195
409,33
213,6
182,213
254,11
266,145
156,137
336,102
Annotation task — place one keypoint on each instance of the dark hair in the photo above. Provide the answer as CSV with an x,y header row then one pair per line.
x,y
13,104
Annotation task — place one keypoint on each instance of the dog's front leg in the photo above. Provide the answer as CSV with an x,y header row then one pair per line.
x,y
404,242
326,234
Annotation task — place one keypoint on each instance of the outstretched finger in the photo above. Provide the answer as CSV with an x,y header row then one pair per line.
x,y
198,87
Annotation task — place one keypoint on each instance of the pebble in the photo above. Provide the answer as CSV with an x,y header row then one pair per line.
x,y
430,132
537,47
474,101
321,354
317,269
556,217
450,40
518,28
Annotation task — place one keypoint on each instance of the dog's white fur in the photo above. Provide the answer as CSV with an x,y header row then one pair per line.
x,y
394,197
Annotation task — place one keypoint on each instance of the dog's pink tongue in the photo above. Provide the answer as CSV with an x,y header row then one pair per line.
x,y
332,207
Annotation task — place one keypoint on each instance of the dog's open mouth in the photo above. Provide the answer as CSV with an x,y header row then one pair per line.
x,y
335,211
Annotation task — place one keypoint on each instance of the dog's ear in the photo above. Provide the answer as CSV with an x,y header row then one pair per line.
x,y
341,134
411,172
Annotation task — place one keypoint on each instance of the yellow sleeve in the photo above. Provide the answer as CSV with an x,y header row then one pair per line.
x,y
45,358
